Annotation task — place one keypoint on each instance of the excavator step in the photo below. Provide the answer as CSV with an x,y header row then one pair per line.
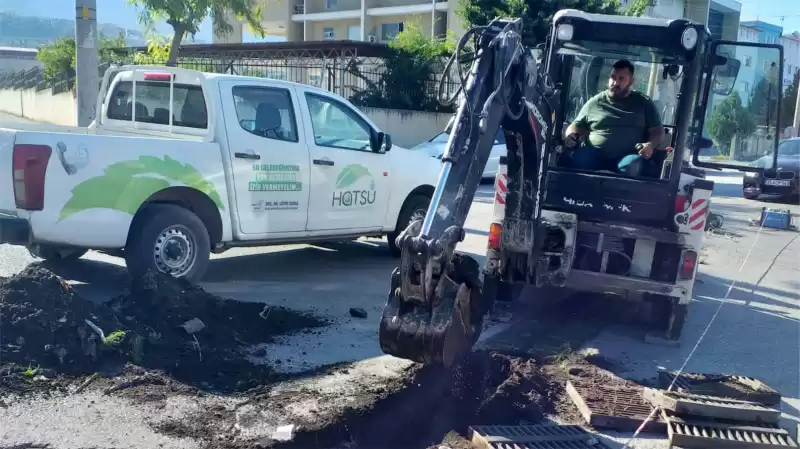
x,y
533,437
711,406
701,434
727,386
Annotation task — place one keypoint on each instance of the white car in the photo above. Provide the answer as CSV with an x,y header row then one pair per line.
x,y
435,146
180,164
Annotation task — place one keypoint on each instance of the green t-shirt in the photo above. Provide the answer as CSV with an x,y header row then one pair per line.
x,y
616,126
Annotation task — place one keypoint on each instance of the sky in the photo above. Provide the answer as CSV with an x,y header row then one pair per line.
x,y
771,11
118,12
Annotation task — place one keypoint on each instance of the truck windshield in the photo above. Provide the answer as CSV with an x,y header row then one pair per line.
x,y
152,104
656,74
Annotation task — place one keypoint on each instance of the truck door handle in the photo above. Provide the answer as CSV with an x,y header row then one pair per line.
x,y
323,162
247,155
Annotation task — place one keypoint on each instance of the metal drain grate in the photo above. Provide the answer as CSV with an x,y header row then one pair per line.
x,y
728,386
707,435
711,406
533,437
608,402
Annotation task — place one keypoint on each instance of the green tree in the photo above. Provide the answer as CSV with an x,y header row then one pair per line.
x,y
730,118
537,14
789,102
185,16
59,56
407,79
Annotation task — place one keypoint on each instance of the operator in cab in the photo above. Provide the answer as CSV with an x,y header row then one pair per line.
x,y
620,128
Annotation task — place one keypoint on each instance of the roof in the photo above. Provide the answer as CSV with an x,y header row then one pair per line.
x,y
330,48
605,18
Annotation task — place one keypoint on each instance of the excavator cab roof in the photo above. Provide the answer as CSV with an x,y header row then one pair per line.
x,y
679,39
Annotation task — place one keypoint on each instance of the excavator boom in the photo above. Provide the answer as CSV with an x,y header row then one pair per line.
x,y
434,312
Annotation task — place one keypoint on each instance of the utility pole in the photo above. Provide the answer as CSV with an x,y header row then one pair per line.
x,y
88,82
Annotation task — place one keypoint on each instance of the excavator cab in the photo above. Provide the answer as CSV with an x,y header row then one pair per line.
x,y
555,225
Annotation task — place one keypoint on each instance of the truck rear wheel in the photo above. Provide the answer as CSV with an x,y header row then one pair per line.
x,y
668,315
415,208
169,239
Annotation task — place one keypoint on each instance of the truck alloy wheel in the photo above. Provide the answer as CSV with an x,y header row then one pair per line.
x,y
174,251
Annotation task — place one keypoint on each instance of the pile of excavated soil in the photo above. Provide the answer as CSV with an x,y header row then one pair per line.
x,y
161,323
44,325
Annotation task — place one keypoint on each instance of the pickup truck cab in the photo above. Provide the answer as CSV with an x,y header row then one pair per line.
x,y
180,164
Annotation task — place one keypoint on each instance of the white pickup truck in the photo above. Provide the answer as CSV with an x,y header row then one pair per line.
x,y
180,164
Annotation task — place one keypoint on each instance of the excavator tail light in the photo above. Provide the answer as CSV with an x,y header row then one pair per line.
x,y
688,264
495,232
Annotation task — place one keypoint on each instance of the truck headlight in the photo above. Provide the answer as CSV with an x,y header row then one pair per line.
x,y
564,32
689,38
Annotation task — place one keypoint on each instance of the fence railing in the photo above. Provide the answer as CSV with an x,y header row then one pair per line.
x,y
361,81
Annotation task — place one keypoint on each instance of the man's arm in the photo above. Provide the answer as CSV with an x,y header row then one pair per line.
x,y
655,129
580,125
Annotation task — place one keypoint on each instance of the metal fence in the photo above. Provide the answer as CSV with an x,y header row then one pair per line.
x,y
357,76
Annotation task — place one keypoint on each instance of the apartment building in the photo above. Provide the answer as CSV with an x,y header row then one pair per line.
x,y
358,20
791,54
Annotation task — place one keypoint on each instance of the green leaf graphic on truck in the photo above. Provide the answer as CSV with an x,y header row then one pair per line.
x,y
349,192
127,184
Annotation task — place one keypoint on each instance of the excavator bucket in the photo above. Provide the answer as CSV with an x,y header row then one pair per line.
x,y
440,331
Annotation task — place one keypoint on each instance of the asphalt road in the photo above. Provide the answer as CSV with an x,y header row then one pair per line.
x,y
755,331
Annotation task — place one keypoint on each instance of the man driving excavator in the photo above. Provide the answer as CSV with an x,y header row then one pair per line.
x,y
622,128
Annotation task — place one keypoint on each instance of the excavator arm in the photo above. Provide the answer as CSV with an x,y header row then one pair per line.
x,y
435,309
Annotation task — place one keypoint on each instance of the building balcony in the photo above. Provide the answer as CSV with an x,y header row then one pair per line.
x,y
378,8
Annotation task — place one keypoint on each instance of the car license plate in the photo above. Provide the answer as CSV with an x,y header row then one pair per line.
x,y
778,182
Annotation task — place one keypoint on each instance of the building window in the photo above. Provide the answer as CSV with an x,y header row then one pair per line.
x,y
748,61
327,33
354,32
330,4
390,30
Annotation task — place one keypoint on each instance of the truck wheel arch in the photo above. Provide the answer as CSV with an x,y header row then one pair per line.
x,y
192,199
423,190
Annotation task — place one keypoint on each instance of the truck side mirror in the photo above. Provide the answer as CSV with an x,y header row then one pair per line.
x,y
387,142
377,140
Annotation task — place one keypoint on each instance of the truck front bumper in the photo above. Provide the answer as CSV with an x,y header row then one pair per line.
x,y
14,230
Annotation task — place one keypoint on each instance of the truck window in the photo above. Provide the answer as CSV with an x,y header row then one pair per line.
x,y
152,104
336,125
266,112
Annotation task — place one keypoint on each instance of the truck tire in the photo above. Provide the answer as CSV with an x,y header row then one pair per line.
x,y
415,207
54,254
169,239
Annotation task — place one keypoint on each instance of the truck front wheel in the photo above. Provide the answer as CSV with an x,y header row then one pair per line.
x,y
169,239
415,208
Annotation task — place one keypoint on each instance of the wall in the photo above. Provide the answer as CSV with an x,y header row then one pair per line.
x,y
407,128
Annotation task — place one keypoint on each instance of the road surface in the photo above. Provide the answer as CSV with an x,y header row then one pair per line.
x,y
755,332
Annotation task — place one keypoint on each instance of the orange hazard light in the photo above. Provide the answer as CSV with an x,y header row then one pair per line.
x,y
495,231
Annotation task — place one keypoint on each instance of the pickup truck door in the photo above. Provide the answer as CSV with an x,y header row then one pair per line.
x,y
350,183
268,156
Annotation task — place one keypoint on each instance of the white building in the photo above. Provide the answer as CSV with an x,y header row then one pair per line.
x,y
791,55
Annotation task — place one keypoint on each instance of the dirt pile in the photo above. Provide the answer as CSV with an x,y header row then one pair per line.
x,y
161,323
44,322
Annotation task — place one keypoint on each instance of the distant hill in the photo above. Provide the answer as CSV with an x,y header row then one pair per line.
x,y
32,32
32,23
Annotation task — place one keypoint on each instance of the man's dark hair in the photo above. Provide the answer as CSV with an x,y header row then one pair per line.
x,y
623,64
